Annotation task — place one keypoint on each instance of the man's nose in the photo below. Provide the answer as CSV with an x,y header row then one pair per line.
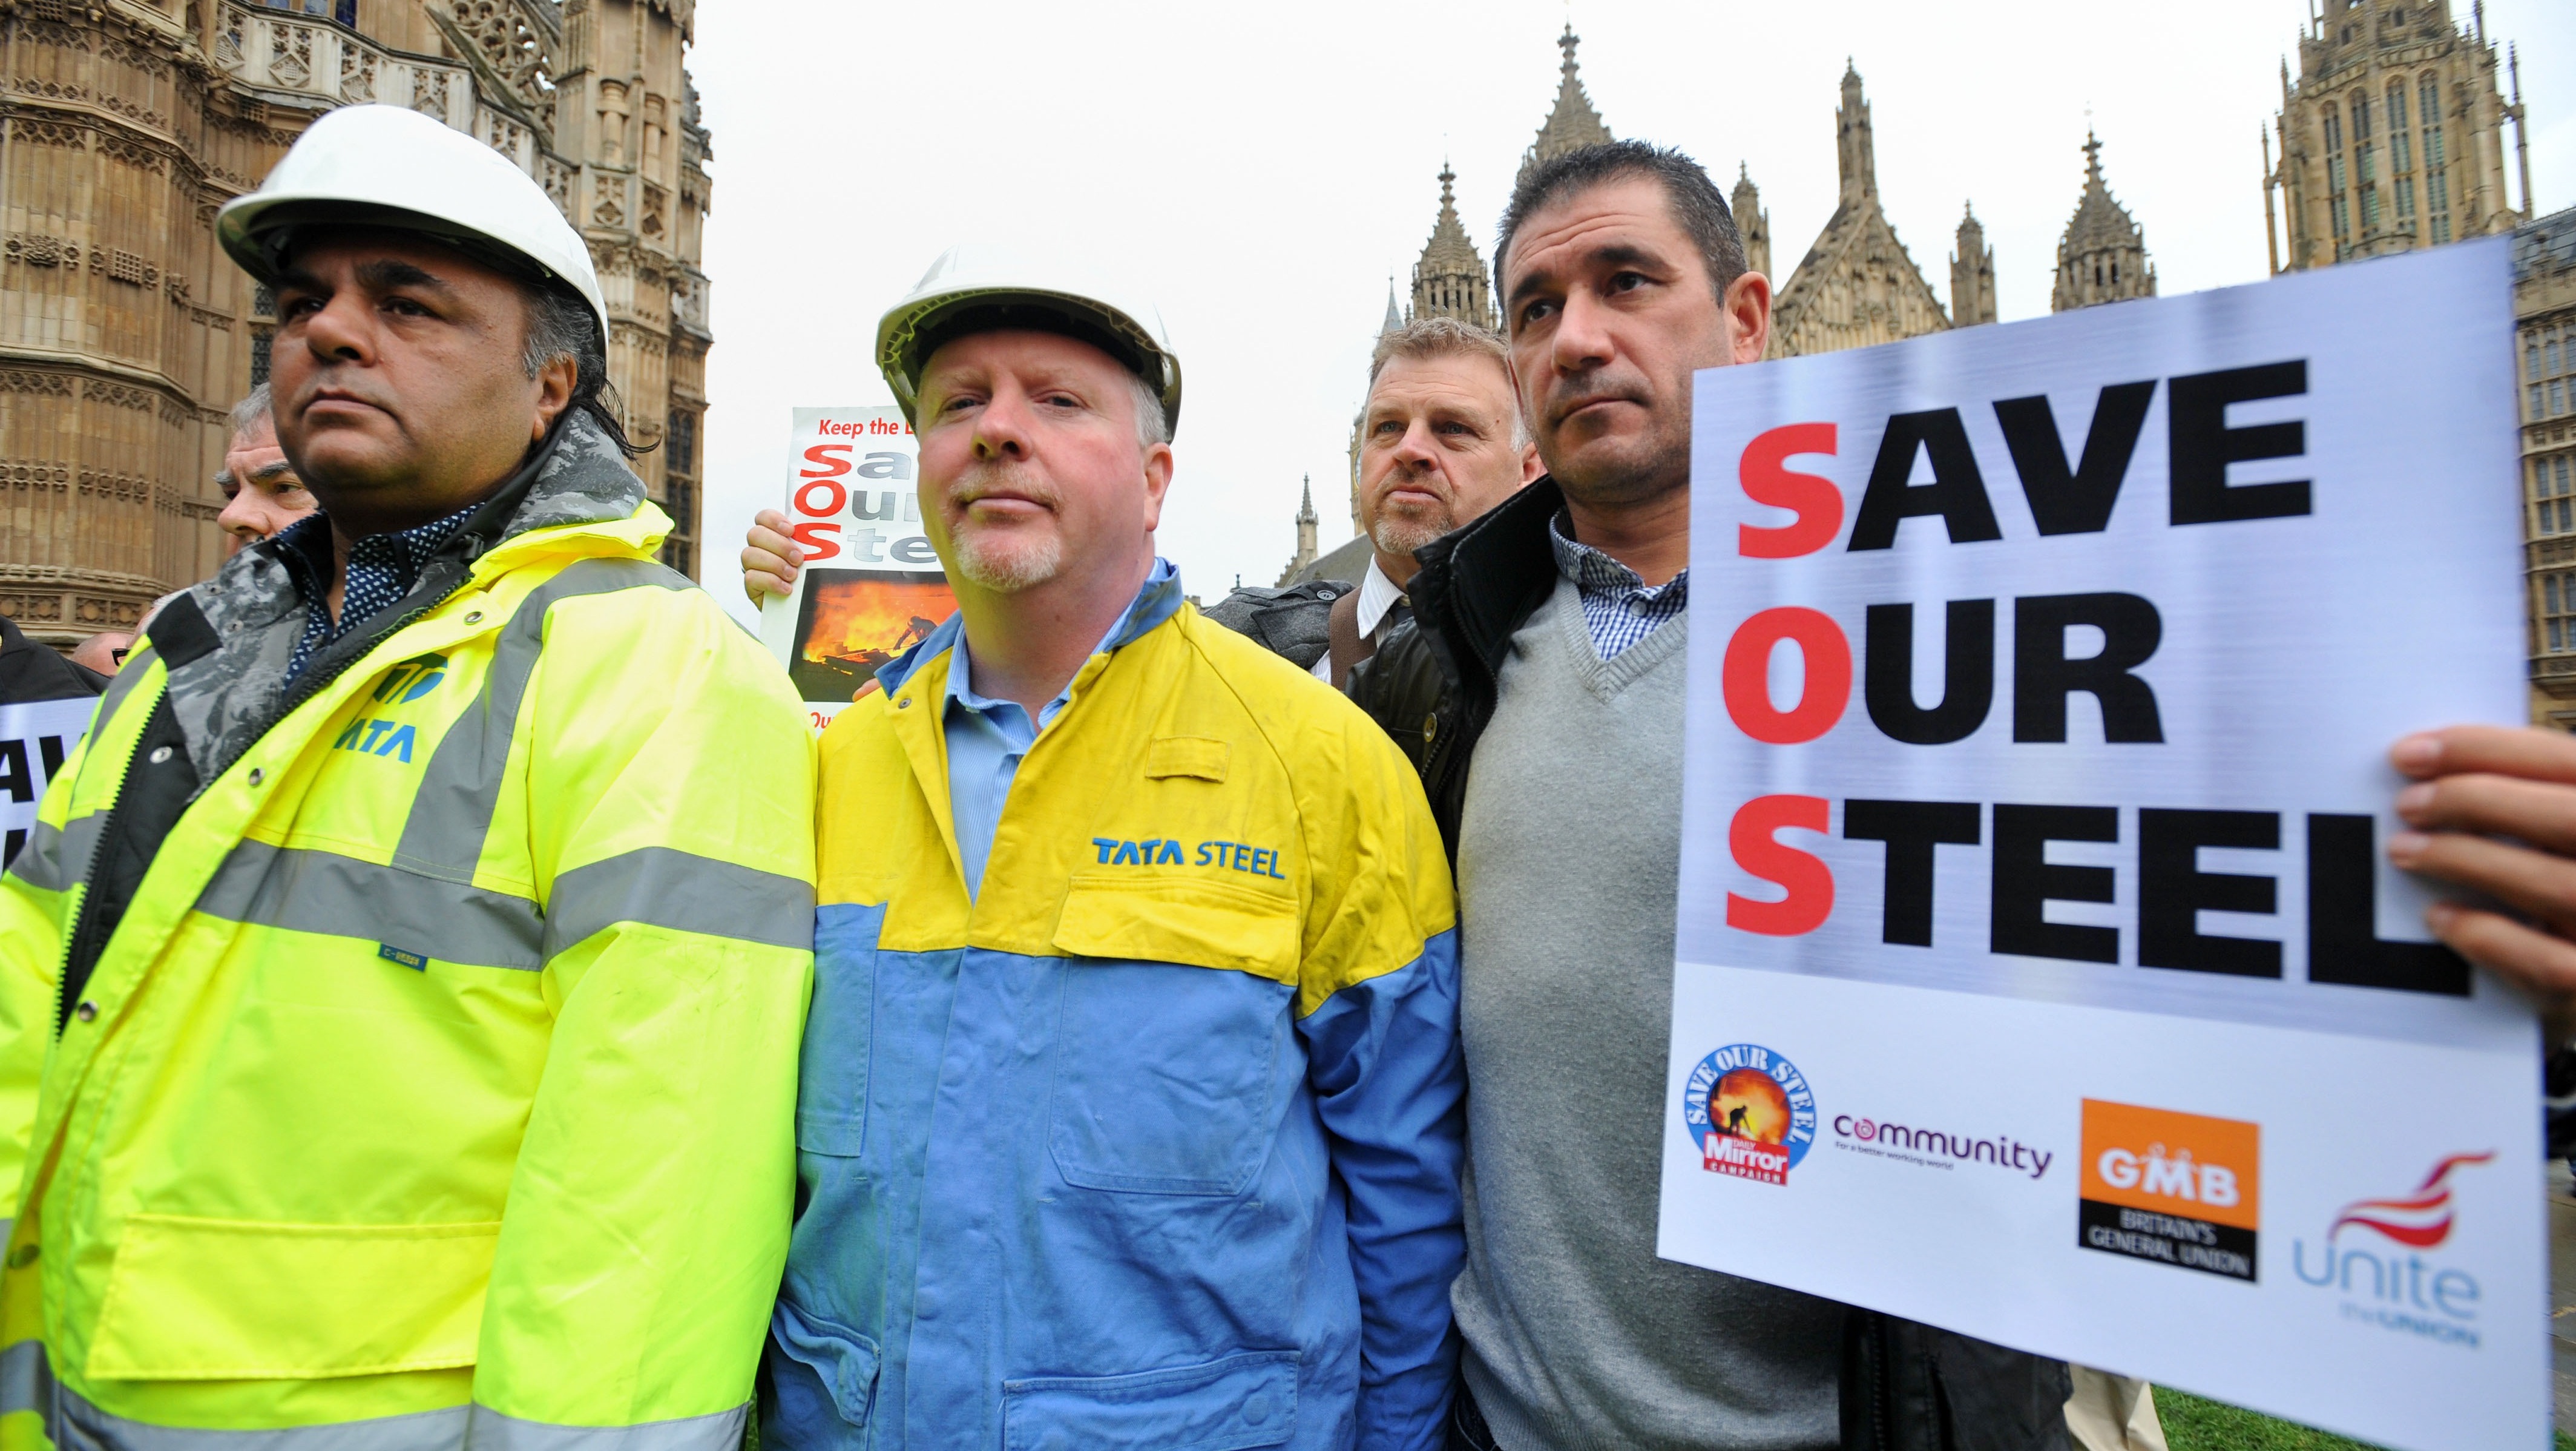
x,y
1417,449
1002,425
1582,338
342,328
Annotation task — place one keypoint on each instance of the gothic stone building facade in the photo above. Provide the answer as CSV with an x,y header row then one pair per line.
x,y
2392,137
126,334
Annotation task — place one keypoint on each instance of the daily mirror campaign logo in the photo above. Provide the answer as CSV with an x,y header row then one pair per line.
x,y
1751,1112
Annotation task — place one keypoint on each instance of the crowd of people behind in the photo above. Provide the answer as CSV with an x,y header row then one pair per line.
x,y
453,1002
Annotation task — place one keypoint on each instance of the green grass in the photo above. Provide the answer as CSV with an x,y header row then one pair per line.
x,y
2193,1424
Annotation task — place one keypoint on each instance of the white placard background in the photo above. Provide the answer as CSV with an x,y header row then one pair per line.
x,y
2294,651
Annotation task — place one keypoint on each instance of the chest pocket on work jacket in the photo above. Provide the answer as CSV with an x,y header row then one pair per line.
x,y
1176,1011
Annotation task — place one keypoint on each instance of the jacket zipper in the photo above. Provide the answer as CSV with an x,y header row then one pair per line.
x,y
87,920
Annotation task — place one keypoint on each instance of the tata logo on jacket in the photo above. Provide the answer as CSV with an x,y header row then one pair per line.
x,y
403,684
1241,856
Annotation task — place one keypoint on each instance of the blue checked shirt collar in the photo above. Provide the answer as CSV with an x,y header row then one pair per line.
x,y
382,569
1619,607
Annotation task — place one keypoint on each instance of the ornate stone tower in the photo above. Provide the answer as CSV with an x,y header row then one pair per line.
x,y
2103,256
1972,274
1449,280
1572,122
1751,221
1857,285
2392,137
126,334
1306,522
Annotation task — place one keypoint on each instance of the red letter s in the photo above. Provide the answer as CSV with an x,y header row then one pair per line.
x,y
816,545
1817,503
1808,882
833,468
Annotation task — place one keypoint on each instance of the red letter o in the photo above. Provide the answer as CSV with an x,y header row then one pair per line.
x,y
838,495
1747,676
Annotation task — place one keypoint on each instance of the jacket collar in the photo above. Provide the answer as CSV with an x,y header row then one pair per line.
x,y
1157,600
1479,583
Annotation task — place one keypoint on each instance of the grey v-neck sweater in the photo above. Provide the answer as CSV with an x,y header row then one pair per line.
x,y
1577,1335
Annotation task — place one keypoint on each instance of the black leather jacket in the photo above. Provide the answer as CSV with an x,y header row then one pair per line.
x,y
1431,686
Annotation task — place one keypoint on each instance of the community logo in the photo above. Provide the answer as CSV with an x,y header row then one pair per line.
x,y
1752,1113
2379,1268
2179,1189
1937,1148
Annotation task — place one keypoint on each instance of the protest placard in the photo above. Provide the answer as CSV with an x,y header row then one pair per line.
x,y
871,586
35,736
2039,971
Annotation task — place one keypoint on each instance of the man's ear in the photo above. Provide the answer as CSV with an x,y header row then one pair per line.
x,y
1531,465
1747,305
554,383
1158,482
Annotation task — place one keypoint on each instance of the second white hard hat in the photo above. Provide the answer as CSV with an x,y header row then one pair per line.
x,y
385,166
986,289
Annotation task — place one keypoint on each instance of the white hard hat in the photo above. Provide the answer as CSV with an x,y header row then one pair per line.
x,y
984,289
389,167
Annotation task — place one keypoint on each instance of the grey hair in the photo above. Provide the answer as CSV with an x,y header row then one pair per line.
x,y
249,413
1151,426
1447,337
1696,203
561,325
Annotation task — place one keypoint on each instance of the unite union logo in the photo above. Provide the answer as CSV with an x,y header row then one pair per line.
x,y
1751,1112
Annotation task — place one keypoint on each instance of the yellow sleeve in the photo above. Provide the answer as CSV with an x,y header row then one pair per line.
x,y
671,798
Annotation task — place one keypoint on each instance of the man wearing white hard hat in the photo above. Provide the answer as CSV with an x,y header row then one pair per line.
x,y
399,993
1130,1110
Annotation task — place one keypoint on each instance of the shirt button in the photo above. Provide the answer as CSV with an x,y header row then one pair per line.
x,y
159,754
1257,1410
86,1012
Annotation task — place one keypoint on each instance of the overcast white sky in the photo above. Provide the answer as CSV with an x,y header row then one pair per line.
x,y
1271,166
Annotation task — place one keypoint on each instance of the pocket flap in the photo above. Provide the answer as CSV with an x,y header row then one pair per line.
x,y
1201,757
843,1360
224,1299
1181,920
1224,1405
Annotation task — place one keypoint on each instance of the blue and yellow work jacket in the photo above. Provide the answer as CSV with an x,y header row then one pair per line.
x,y
1154,1140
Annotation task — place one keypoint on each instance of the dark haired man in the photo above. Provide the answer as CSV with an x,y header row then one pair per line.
x,y
400,989
1548,650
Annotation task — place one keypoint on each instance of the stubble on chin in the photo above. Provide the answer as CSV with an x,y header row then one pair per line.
x,y
996,561
1630,472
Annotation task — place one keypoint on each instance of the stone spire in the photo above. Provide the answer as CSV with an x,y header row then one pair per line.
x,y
1449,280
1750,220
1972,275
1394,319
1306,522
2103,256
1854,151
1573,123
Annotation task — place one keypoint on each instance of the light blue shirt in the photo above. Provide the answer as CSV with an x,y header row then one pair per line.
x,y
987,738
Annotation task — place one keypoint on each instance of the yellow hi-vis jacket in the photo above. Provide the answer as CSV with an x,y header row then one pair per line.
x,y
436,1088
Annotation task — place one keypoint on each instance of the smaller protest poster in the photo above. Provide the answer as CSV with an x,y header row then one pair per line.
x,y
871,587
35,737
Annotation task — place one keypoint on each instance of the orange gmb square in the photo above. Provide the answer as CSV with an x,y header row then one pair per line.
x,y
2183,1164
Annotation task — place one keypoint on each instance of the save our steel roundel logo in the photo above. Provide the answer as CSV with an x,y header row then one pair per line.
x,y
1751,1112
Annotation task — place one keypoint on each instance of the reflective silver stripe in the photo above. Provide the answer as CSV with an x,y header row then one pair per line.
x,y
129,677
80,1426
493,1431
462,785
339,896
57,857
664,887
26,1377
